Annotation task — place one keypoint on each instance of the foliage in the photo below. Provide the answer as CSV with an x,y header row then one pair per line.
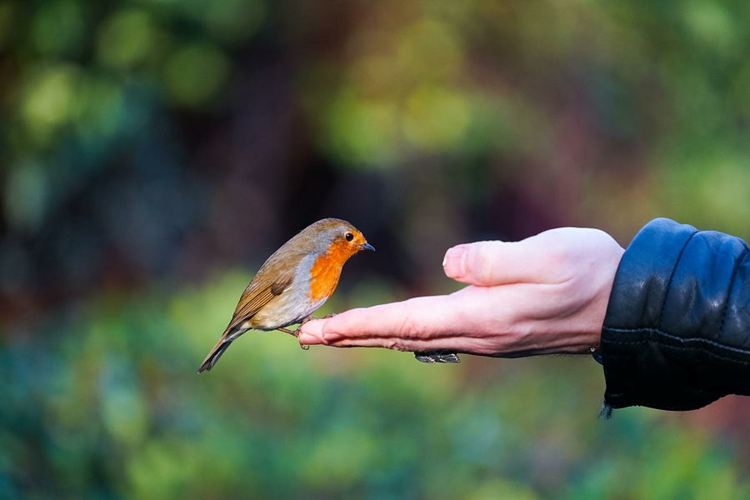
x,y
147,145
136,131
107,404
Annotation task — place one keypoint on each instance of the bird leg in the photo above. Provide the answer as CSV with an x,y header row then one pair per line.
x,y
287,330
295,332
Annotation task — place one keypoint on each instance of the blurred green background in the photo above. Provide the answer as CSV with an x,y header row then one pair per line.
x,y
154,152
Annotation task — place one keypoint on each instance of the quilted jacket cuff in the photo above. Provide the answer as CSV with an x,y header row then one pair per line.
x,y
666,341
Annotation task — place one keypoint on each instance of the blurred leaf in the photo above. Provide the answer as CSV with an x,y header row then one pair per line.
x,y
49,97
7,18
363,131
430,50
59,27
436,118
126,38
26,197
195,74
235,21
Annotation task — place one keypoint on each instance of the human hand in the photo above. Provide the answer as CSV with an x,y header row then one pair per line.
x,y
542,295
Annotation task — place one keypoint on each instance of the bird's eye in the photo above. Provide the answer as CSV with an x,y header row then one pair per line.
x,y
349,236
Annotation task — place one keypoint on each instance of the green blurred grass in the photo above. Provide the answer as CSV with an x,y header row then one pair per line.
x,y
107,404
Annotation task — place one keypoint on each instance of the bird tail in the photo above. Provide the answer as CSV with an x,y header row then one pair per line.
x,y
221,346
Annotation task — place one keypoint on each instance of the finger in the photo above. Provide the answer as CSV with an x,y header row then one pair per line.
x,y
502,320
311,333
454,343
414,318
489,263
472,311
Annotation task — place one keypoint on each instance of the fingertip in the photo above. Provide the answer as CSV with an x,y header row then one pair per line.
x,y
312,327
454,261
306,339
477,263
311,332
331,338
319,331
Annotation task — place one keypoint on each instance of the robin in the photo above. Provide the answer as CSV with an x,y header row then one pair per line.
x,y
295,281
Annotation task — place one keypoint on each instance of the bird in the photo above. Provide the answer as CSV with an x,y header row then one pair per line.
x,y
293,282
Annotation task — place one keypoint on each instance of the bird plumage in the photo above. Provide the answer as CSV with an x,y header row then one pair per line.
x,y
293,282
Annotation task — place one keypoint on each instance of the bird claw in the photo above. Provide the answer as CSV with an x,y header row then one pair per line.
x,y
296,332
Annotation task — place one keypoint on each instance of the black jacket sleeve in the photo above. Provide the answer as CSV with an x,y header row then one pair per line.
x,y
676,335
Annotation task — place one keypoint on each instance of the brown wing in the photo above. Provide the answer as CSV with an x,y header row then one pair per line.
x,y
273,278
255,297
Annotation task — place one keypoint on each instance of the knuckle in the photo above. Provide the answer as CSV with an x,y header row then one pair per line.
x,y
556,252
482,265
560,260
330,338
395,345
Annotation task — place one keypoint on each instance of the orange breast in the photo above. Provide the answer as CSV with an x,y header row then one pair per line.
x,y
326,271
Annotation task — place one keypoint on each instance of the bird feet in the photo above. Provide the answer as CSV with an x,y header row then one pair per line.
x,y
295,332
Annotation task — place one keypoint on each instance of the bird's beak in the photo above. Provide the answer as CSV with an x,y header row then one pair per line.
x,y
367,246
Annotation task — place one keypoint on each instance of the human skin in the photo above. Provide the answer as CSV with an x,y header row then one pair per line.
x,y
546,294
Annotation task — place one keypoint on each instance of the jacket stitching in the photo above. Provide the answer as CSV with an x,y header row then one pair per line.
x,y
684,348
682,341
671,276
738,350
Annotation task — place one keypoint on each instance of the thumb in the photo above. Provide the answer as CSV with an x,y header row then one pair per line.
x,y
473,263
489,263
